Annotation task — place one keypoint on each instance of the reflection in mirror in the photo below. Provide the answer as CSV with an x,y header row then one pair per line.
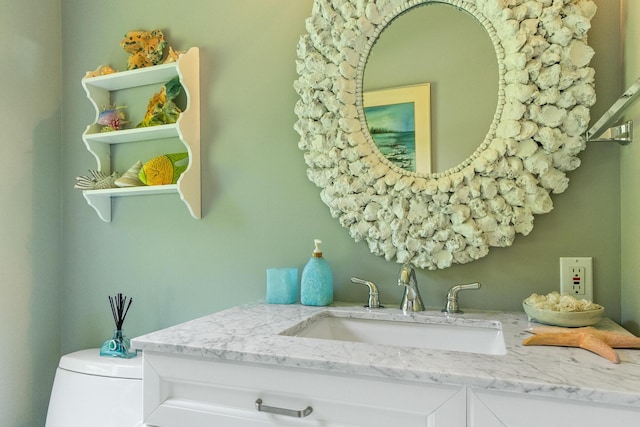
x,y
399,122
425,46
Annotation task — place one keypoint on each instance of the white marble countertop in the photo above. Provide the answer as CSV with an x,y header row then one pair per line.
x,y
250,333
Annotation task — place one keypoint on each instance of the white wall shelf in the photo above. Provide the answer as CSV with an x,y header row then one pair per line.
x,y
186,129
132,135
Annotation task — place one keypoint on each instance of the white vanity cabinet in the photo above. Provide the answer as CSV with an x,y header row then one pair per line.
x,y
212,370
188,391
100,92
497,409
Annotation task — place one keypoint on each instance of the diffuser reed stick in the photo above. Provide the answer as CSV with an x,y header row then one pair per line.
x,y
119,309
119,345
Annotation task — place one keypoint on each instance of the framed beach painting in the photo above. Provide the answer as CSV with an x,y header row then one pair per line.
x,y
399,121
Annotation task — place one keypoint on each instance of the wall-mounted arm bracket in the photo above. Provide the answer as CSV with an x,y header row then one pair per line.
x,y
622,134
603,131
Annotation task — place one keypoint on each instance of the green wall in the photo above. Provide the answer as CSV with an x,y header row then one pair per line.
x,y
30,259
60,262
630,179
259,208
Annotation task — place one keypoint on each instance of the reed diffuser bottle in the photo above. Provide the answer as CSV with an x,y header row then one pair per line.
x,y
119,345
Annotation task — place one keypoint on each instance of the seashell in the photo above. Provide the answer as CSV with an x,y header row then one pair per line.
x,y
130,177
112,118
163,170
98,180
172,56
100,71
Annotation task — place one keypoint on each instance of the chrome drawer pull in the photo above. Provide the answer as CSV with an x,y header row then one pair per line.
x,y
281,411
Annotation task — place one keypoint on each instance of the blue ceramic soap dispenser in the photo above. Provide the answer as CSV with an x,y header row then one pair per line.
x,y
316,284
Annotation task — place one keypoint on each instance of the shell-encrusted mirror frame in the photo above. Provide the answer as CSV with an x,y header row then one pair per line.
x,y
433,221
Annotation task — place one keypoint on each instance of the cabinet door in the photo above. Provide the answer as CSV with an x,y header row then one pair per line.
x,y
501,409
180,413
199,392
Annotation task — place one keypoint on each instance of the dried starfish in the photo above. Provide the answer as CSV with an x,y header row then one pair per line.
x,y
589,338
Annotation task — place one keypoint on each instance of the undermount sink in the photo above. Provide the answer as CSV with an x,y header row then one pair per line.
x,y
468,335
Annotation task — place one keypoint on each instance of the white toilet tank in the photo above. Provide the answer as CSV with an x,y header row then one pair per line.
x,y
90,390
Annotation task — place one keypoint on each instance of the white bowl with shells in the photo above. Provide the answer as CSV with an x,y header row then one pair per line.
x,y
562,310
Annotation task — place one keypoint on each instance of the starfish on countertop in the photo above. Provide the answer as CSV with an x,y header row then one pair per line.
x,y
589,338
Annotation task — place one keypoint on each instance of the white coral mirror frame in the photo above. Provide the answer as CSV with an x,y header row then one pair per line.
x,y
433,221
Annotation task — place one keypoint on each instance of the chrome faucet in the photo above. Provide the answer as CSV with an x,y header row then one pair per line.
x,y
374,299
411,300
452,297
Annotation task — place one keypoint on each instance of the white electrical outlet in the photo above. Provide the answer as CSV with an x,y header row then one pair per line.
x,y
576,277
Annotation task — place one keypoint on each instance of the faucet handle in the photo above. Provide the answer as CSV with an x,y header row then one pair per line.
x,y
452,297
374,300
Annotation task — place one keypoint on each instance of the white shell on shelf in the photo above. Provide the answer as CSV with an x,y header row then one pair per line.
x,y
130,178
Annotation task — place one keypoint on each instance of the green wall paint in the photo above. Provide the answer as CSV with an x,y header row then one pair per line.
x,y
630,179
30,258
259,208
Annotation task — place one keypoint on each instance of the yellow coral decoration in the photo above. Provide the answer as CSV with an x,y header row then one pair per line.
x,y
146,48
161,109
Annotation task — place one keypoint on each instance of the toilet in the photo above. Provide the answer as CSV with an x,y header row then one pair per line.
x,y
91,390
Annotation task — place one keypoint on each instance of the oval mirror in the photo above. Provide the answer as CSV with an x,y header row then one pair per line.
x,y
422,51
545,90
